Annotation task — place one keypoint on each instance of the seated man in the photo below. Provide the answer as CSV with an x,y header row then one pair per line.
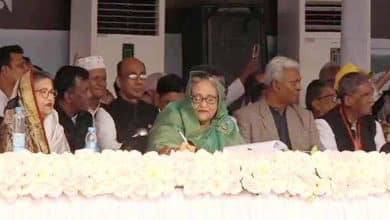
x,y
102,120
170,88
12,67
71,83
350,126
320,98
130,113
277,116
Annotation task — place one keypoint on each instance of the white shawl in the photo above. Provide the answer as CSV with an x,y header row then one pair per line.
x,y
55,134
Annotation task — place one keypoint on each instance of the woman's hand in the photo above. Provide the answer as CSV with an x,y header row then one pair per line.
x,y
165,150
182,147
186,146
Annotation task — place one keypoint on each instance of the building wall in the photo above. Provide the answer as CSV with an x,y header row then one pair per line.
x,y
46,48
380,19
40,27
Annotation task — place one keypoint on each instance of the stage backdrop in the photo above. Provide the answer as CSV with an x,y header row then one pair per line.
x,y
41,27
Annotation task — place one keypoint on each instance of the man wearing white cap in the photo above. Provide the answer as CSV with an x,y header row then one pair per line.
x,y
105,126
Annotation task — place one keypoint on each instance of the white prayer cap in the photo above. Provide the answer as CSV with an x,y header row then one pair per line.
x,y
91,63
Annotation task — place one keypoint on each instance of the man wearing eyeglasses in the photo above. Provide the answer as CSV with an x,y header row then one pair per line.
x,y
320,98
350,125
132,116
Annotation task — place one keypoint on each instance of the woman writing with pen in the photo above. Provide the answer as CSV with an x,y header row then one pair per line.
x,y
199,121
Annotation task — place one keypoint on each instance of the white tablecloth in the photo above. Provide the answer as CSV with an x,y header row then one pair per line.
x,y
178,206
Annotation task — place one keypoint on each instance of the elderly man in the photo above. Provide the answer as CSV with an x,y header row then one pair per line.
x,y
320,98
102,120
132,116
350,126
277,116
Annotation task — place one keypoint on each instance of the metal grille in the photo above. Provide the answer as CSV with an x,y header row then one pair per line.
x,y
323,16
137,17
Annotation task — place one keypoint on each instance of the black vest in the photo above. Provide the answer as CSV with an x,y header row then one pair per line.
x,y
367,128
75,133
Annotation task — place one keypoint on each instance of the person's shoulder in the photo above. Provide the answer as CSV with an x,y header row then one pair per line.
x,y
369,117
51,121
102,110
249,109
149,108
54,115
113,104
147,105
102,113
171,114
104,106
330,115
171,108
302,111
13,103
84,115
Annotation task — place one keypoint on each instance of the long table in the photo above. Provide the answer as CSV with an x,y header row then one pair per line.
x,y
228,185
178,206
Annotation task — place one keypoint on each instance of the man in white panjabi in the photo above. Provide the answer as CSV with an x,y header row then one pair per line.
x,y
12,67
102,120
350,125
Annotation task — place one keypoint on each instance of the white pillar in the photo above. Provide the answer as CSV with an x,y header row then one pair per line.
x,y
356,33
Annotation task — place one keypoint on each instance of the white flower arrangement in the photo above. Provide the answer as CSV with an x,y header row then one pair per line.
x,y
133,175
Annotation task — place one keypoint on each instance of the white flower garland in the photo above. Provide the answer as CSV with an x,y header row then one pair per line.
x,y
132,175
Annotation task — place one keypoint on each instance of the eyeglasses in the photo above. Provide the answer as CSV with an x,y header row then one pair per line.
x,y
134,76
210,100
45,93
332,96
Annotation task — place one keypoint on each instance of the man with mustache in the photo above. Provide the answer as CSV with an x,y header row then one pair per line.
x,y
12,67
102,120
71,83
277,116
350,125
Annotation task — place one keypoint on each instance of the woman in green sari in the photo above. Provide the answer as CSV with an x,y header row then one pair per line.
x,y
199,121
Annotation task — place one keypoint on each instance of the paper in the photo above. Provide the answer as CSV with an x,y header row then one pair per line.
x,y
268,146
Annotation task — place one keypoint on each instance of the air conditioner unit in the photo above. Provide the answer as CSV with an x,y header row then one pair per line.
x,y
115,29
310,32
